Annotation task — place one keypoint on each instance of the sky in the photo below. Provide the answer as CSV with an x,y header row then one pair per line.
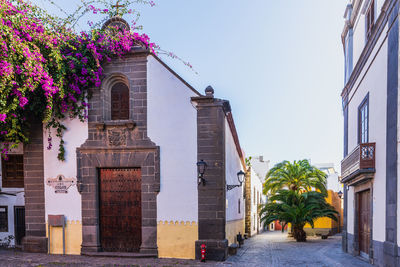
x,y
279,63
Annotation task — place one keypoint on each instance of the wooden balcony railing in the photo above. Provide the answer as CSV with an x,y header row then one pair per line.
x,y
361,158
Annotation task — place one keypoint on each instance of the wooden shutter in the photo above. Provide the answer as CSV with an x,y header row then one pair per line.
x,y
120,102
13,171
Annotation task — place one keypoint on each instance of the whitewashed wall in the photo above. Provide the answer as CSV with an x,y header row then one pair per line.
x,y
360,31
172,124
373,80
261,169
233,166
256,189
66,204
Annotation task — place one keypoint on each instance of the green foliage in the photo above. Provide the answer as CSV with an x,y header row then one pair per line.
x,y
298,176
296,208
248,161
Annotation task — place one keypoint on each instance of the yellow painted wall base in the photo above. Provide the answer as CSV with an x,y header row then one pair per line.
x,y
177,239
73,238
233,228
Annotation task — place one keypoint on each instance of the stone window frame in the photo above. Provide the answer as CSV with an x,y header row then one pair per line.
x,y
105,93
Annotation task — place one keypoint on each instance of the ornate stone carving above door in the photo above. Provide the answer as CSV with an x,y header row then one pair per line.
x,y
116,137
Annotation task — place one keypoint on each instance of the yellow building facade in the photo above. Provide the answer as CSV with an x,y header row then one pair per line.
x,y
327,225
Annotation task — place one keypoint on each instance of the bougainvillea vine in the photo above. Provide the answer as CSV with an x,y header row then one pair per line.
x,y
46,70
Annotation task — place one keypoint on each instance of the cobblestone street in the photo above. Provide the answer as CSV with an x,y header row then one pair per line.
x,y
276,249
268,249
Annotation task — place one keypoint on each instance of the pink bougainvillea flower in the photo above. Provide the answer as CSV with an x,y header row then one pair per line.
x,y
3,117
23,101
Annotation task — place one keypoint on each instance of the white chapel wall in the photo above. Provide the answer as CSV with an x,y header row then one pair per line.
x,y
233,166
373,80
172,125
66,204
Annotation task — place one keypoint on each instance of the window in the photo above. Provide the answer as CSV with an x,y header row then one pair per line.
x,y
13,171
3,219
120,102
239,206
370,19
363,121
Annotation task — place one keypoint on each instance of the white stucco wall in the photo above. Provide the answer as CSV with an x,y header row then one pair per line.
x,y
233,166
256,199
360,31
172,125
68,204
373,80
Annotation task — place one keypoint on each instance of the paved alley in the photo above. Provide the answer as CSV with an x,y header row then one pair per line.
x,y
276,249
268,249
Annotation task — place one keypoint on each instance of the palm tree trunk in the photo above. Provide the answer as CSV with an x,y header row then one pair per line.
x,y
298,233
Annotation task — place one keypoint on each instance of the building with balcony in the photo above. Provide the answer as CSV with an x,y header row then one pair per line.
x,y
369,169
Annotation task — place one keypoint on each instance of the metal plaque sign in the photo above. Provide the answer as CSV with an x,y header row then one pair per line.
x,y
61,184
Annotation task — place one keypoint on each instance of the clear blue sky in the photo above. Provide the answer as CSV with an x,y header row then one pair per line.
x,y
279,63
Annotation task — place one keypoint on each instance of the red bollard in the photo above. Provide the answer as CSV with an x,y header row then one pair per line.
x,y
203,253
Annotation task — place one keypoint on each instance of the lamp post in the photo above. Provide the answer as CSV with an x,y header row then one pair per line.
x,y
240,176
201,169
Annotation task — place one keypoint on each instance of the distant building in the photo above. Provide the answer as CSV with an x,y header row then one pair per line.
x,y
254,194
332,178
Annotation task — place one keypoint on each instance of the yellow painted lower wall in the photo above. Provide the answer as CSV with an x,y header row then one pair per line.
x,y
73,238
233,228
177,239
325,224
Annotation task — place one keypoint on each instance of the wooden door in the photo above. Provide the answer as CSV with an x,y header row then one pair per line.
x,y
364,222
19,224
120,210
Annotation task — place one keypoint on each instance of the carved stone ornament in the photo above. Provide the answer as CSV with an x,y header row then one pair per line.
x,y
61,184
116,137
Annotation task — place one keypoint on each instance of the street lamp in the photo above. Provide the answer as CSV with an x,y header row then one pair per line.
x,y
201,169
240,175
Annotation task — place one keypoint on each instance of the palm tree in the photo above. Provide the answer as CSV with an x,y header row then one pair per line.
x,y
296,208
298,176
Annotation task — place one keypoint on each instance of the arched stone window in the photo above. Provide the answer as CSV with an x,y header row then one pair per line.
x,y
120,102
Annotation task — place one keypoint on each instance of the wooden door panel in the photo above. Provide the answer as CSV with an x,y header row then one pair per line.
x,y
364,220
120,209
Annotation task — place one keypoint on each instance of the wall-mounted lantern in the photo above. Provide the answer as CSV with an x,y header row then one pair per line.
x,y
201,169
240,176
340,194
